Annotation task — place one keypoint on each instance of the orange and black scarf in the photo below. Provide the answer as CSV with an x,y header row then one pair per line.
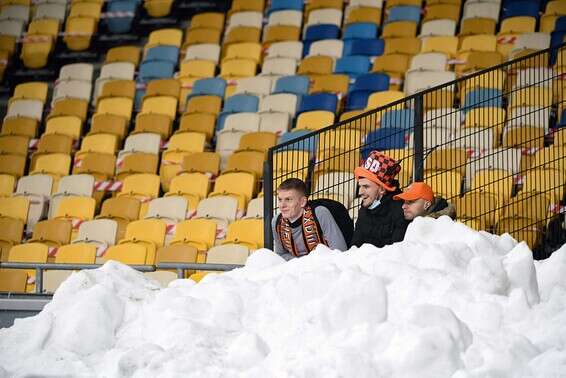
x,y
312,233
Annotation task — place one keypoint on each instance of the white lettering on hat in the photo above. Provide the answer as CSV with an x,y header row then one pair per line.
x,y
372,165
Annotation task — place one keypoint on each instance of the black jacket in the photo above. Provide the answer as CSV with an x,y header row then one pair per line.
x,y
383,225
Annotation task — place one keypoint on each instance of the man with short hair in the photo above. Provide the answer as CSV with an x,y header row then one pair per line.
x,y
301,227
380,218
419,201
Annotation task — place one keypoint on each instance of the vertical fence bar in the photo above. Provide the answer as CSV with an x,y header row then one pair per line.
x,y
418,136
268,200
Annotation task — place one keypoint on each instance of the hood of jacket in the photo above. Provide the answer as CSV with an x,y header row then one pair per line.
x,y
441,207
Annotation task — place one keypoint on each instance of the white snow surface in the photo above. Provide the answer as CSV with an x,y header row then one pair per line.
x,y
446,302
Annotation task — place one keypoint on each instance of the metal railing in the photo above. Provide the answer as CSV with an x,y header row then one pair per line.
x,y
484,141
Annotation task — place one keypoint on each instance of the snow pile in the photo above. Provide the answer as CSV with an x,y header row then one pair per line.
x,y
446,302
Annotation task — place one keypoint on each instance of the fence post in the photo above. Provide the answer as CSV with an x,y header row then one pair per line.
x,y
268,200
38,280
418,136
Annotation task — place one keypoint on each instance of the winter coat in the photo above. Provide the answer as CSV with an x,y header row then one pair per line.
x,y
383,225
440,207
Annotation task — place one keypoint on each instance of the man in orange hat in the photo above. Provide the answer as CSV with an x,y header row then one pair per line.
x,y
419,201
380,218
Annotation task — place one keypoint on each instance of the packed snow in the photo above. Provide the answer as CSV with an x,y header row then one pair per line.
x,y
446,302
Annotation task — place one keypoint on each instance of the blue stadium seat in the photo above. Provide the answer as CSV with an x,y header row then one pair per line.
x,y
163,52
384,139
138,97
214,86
367,47
398,118
319,101
308,144
121,24
322,31
360,30
353,66
363,87
562,121
296,84
153,70
404,13
560,24
482,97
237,104
278,5
520,8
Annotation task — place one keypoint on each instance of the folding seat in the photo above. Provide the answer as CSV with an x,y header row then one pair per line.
x,y
142,186
13,280
360,30
504,159
335,83
529,116
152,70
246,232
204,162
447,159
363,14
158,8
204,104
207,19
7,185
432,61
221,209
319,32
398,118
35,90
246,161
259,141
298,85
291,163
394,65
531,96
56,165
70,107
52,232
193,187
134,254
529,42
479,42
279,102
549,182
119,106
325,17
477,205
76,71
136,162
148,234
445,183
481,10
285,49
72,185
446,45
476,61
99,165
246,50
241,34
78,89
441,27
246,5
300,143
258,86
279,67
316,65
518,25
367,3
416,81
114,71
177,253
121,24
442,12
315,120
323,4
384,139
286,17
14,144
531,205
282,5
554,10
281,33
379,99
319,101
497,182
255,209
486,117
228,254
477,25
326,47
483,97
540,76
363,87
166,105
13,165
404,13
474,137
40,41
198,122
154,122
171,209
193,70
76,209
551,157
521,229
29,253
394,3
142,142
98,232
15,208
237,68
353,66
122,210
336,184
79,31
128,54
11,233
204,51
180,145
196,36
15,12
520,8
405,45
169,37
29,108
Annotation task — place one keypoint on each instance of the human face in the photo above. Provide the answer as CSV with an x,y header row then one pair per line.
x,y
369,191
291,203
415,208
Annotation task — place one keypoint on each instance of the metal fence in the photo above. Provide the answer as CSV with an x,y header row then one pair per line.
x,y
490,142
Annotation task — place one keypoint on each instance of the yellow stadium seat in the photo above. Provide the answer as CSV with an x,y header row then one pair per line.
x,y
204,123
207,20
247,50
196,69
41,37
549,182
521,229
315,120
246,5
29,253
316,65
237,68
405,45
74,207
444,183
78,32
531,96
477,60
165,105
280,33
79,253
121,106
290,163
123,54
447,159
334,83
518,25
478,205
442,12
202,35
494,181
14,208
130,253
192,186
524,137
259,141
486,117
248,232
13,280
551,157
7,185
443,44
118,88
150,233
158,8
153,123
240,34
364,14
137,163
199,233
204,162
393,3
56,165
35,90
101,166
65,125
379,99
399,29
14,144
171,37
52,232
478,42
240,185
246,161
13,165
100,143
122,210
20,126
70,106
204,104
11,232
472,26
